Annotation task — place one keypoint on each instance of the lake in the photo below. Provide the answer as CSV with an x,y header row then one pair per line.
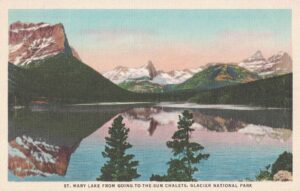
x,y
64,143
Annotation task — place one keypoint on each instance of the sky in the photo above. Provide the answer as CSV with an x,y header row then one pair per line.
x,y
171,39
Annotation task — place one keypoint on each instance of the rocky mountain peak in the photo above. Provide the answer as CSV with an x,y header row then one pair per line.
x,y
148,71
35,41
279,55
278,63
149,64
150,67
257,56
281,61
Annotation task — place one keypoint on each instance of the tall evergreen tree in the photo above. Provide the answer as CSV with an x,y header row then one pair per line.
x,y
185,152
120,166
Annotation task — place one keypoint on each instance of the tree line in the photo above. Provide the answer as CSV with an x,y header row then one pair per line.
x,y
122,167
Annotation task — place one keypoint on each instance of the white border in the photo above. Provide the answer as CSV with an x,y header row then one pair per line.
x,y
147,4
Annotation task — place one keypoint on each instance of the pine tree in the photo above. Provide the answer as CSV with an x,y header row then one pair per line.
x,y
185,152
119,167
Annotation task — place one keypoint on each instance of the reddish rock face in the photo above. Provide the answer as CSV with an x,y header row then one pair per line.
x,y
27,157
35,41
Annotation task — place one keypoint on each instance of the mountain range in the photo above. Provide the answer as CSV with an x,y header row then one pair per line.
x,y
147,79
148,71
43,65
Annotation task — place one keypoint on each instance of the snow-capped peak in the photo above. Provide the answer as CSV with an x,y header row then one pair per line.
x,y
258,54
149,72
278,63
152,70
36,41
255,57
176,76
121,73
20,27
280,54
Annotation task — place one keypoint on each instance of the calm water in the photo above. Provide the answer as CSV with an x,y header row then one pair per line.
x,y
240,140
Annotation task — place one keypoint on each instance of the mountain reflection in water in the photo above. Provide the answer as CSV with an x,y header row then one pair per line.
x,y
78,134
154,117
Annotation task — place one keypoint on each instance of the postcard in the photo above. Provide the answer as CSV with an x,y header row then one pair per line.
x,y
148,95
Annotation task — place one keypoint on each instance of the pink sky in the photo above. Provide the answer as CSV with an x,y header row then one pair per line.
x,y
135,48
171,39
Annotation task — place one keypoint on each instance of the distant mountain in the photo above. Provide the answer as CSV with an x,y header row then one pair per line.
x,y
121,73
255,63
218,75
175,76
148,72
135,79
279,63
35,41
147,79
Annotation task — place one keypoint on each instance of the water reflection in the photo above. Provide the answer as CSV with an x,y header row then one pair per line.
x,y
42,142
154,117
28,157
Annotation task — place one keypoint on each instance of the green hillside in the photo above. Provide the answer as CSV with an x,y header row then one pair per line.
x,y
272,92
62,78
141,86
216,76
